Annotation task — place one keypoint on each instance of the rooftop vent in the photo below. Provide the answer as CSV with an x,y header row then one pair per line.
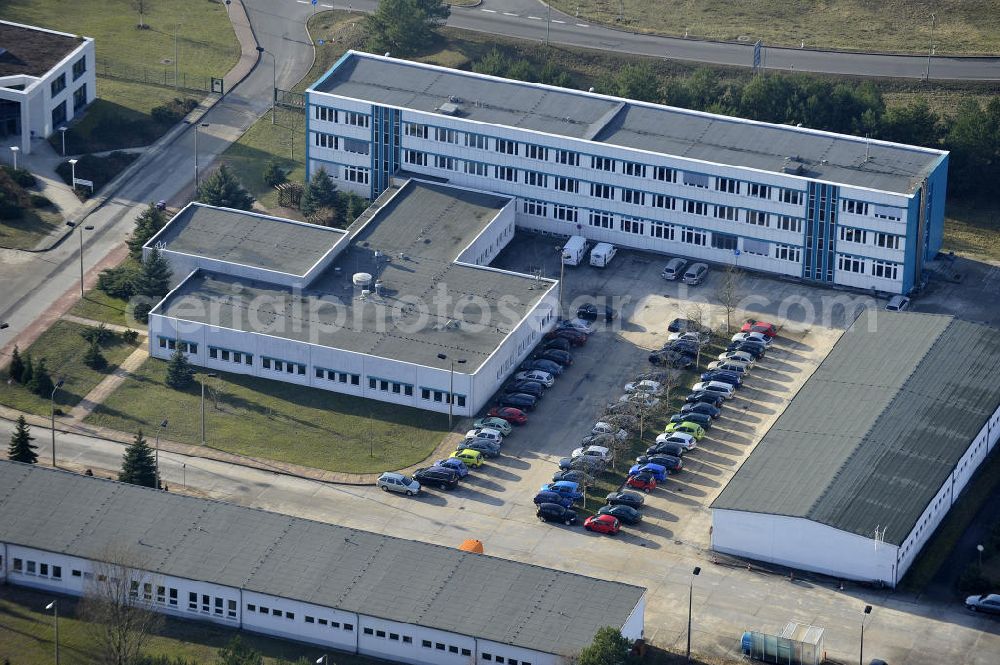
x,y
361,279
793,166
448,108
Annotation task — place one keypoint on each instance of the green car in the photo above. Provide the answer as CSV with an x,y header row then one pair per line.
x,y
496,423
694,429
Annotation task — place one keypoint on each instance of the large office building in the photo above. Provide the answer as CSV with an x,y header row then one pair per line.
x,y
46,79
329,586
823,207
403,307
871,453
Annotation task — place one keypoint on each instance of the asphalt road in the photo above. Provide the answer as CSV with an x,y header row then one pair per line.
x,y
526,19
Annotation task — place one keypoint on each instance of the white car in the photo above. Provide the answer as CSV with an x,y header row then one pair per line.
x,y
680,438
697,338
897,304
739,356
598,452
723,389
607,428
538,375
486,433
729,366
752,337
577,324
645,386
642,399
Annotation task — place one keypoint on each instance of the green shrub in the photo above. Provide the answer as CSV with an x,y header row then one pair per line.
x,y
39,201
98,335
23,177
173,111
118,282
130,336
273,174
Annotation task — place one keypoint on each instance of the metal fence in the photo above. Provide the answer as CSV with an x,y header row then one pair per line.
x,y
163,76
289,99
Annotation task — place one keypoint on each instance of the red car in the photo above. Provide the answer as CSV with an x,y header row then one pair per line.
x,y
762,327
603,524
508,413
642,481
574,337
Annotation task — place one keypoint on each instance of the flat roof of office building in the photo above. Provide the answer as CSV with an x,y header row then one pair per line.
x,y
660,129
247,238
323,564
418,234
31,51
872,435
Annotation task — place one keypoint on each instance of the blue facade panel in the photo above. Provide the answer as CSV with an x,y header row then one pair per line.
x,y
819,250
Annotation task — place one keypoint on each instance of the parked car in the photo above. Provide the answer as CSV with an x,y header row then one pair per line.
x,y
671,358
564,358
645,386
455,464
553,512
657,471
625,499
684,325
397,482
471,458
444,478
564,488
537,376
722,376
689,336
674,269
485,433
672,463
691,417
591,312
760,338
644,400
667,447
602,524
532,388
574,337
519,400
763,327
576,324
572,475
686,427
482,446
897,304
643,481
738,356
511,414
715,399
560,343
498,424
553,497
735,366
600,452
553,368
724,389
704,408
755,349
602,427
588,463
987,602
695,274
683,439
624,514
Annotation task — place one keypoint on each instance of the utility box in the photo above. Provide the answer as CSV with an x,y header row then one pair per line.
x,y
797,644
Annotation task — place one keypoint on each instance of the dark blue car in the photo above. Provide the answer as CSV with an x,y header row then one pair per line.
x,y
732,378
703,408
553,368
655,470
455,464
553,497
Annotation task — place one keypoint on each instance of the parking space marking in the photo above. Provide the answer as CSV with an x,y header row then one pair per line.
x,y
490,11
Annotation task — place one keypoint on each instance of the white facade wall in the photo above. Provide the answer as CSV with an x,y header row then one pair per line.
x,y
485,247
38,102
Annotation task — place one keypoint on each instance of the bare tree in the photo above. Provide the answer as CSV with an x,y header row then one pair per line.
x,y
116,607
696,313
729,292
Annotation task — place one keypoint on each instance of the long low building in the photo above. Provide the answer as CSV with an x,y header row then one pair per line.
x,y
823,207
871,453
322,584
402,307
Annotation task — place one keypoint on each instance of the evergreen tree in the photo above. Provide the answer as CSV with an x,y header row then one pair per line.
x,y
29,370
404,26
147,224
20,449
16,368
93,357
223,189
273,175
41,383
153,280
238,653
138,465
179,371
319,193
608,648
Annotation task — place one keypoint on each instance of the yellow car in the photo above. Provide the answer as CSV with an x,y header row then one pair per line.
x,y
695,430
472,458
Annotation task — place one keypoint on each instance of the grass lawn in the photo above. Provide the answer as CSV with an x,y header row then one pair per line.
x,y
278,421
63,349
283,142
31,229
972,228
960,26
26,636
99,306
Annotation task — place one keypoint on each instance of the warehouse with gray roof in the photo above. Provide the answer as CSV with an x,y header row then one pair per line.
x,y
330,586
864,463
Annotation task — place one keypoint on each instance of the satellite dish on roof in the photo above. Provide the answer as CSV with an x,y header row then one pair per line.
x,y
361,279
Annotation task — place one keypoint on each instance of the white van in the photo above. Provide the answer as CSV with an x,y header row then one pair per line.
x,y
574,250
602,254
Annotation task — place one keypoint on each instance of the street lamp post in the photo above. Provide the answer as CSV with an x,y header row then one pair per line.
x,y
14,150
451,388
72,180
54,606
274,78
206,376
52,399
82,228
157,463
980,548
62,130
197,182
861,655
694,574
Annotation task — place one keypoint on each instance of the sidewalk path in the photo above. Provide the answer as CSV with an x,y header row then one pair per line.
x,y
110,326
108,385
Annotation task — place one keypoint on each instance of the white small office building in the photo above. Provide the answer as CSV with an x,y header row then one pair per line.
x,y
333,587
872,452
403,307
46,80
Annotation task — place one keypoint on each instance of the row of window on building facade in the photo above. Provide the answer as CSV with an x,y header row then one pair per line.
x,y
60,112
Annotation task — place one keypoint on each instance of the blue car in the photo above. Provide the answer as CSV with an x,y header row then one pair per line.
x,y
455,464
564,488
657,471
732,378
553,368
553,497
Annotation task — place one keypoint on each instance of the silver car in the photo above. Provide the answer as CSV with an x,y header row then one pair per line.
x,y
695,274
397,482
